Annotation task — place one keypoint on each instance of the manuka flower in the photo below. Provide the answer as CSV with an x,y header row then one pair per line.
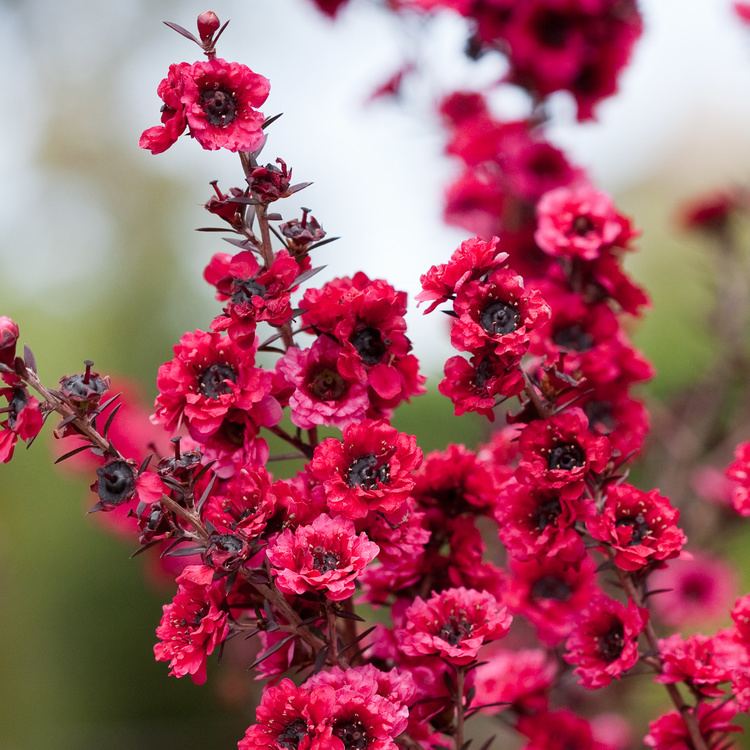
x,y
287,717
24,420
696,660
534,521
551,593
170,91
604,643
669,732
640,527
498,311
366,318
320,393
580,222
193,624
327,556
252,293
213,388
453,624
557,730
741,617
9,334
371,469
561,450
739,473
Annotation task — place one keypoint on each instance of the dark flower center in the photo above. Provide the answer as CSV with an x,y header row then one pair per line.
x,y
219,105
116,482
455,629
352,733
600,416
499,318
566,456
243,290
551,587
228,543
552,28
83,386
546,513
582,225
483,373
326,384
369,345
611,643
574,337
16,406
695,588
213,380
640,527
368,473
292,734
324,560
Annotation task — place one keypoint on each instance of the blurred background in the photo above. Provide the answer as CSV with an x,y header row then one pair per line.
x,y
98,259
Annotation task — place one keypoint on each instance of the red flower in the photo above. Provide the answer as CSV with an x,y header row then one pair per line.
x,y
604,643
695,660
174,122
472,260
741,617
366,317
641,527
372,469
481,384
557,730
580,222
519,678
453,624
287,717
322,394
330,7
497,311
739,473
669,731
193,624
710,213
24,420
212,386
251,293
551,593
561,450
221,100
535,522
9,334
326,556
742,9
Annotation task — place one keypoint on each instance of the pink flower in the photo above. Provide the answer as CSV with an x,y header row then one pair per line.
x,y
221,100
322,394
604,643
580,222
641,527
24,420
453,624
739,473
213,387
669,731
371,469
695,660
556,730
561,450
174,122
193,624
327,556
692,589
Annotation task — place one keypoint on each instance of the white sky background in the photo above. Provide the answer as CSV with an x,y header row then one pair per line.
x,y
379,171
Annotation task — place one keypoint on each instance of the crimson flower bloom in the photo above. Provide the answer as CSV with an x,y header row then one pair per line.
x,y
211,384
170,90
193,624
326,556
696,660
557,730
739,473
561,450
372,469
453,624
251,293
580,222
741,617
640,527
604,643
24,420
321,393
669,731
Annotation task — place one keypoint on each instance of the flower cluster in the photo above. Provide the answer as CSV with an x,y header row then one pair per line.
x,y
538,305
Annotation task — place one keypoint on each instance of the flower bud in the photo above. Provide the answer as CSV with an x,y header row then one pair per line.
x,y
270,183
8,338
208,25
115,484
84,390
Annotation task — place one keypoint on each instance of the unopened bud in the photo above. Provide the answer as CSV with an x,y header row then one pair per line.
x,y
8,337
208,25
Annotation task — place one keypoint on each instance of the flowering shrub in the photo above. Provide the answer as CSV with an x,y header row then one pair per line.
x,y
537,305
